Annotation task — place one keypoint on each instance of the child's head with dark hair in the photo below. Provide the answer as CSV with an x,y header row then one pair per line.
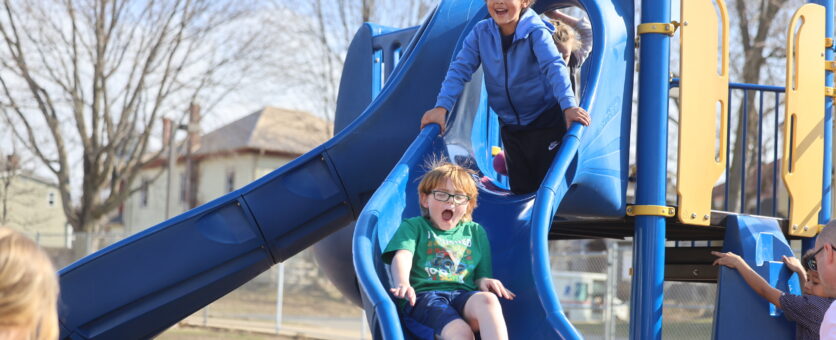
x,y
813,284
447,194
566,39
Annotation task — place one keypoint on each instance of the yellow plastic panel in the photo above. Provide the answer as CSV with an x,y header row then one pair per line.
x,y
804,122
704,82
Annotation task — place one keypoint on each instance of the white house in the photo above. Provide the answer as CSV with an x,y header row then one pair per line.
x,y
31,204
225,159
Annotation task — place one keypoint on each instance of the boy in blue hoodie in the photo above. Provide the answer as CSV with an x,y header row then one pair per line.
x,y
527,83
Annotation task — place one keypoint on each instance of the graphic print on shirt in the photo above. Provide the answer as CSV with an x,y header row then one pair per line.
x,y
448,260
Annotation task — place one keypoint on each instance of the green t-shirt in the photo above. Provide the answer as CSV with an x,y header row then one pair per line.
x,y
443,260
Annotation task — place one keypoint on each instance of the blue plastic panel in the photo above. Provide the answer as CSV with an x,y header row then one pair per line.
x,y
760,242
601,175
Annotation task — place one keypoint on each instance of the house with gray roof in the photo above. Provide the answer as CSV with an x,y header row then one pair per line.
x,y
224,160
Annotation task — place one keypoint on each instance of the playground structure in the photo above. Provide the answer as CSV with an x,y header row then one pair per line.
x,y
144,284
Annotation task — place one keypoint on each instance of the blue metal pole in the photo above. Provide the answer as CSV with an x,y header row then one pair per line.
x,y
826,205
728,151
745,122
760,154
651,163
825,214
775,157
827,192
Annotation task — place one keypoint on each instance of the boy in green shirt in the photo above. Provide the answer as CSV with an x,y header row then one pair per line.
x,y
441,261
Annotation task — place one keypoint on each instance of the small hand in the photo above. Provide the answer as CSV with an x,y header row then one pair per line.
x,y
495,286
729,259
576,114
404,292
793,263
436,115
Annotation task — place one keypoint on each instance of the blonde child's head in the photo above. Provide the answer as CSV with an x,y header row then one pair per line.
x,y
449,179
28,289
566,39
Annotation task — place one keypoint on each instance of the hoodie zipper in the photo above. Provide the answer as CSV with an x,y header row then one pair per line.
x,y
507,92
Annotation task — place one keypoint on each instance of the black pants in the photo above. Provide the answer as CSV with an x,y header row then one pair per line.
x,y
530,149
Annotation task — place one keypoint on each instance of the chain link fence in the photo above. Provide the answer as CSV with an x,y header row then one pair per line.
x,y
293,298
592,280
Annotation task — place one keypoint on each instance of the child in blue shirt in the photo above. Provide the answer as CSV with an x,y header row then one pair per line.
x,y
527,83
441,263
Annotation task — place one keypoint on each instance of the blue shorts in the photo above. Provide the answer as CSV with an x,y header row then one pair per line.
x,y
435,309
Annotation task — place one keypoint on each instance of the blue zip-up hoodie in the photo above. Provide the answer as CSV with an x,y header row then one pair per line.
x,y
528,79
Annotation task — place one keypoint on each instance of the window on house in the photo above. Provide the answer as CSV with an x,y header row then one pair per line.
x,y
143,193
50,198
184,184
230,180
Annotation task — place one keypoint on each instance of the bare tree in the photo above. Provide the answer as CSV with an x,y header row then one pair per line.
x,y
90,80
319,32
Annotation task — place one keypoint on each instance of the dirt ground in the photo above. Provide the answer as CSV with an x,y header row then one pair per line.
x,y
263,302
199,333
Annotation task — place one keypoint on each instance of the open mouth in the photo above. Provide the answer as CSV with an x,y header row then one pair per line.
x,y
447,215
500,11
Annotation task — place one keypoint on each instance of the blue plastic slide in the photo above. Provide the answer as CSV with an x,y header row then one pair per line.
x,y
144,284
587,178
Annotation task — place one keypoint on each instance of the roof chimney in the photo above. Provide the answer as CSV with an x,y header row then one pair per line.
x,y
167,124
194,127
12,162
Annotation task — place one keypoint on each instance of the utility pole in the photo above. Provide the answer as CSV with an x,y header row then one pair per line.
x,y
168,140
193,141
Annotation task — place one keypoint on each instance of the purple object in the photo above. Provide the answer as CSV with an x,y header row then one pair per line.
x,y
499,163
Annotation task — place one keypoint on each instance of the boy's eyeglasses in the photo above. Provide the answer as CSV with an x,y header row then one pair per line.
x,y
458,199
809,260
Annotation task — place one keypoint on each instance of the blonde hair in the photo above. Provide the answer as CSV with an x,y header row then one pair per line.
x,y
28,289
460,177
565,34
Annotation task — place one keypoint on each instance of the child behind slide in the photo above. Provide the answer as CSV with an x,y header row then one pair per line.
x,y
573,38
806,310
441,262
